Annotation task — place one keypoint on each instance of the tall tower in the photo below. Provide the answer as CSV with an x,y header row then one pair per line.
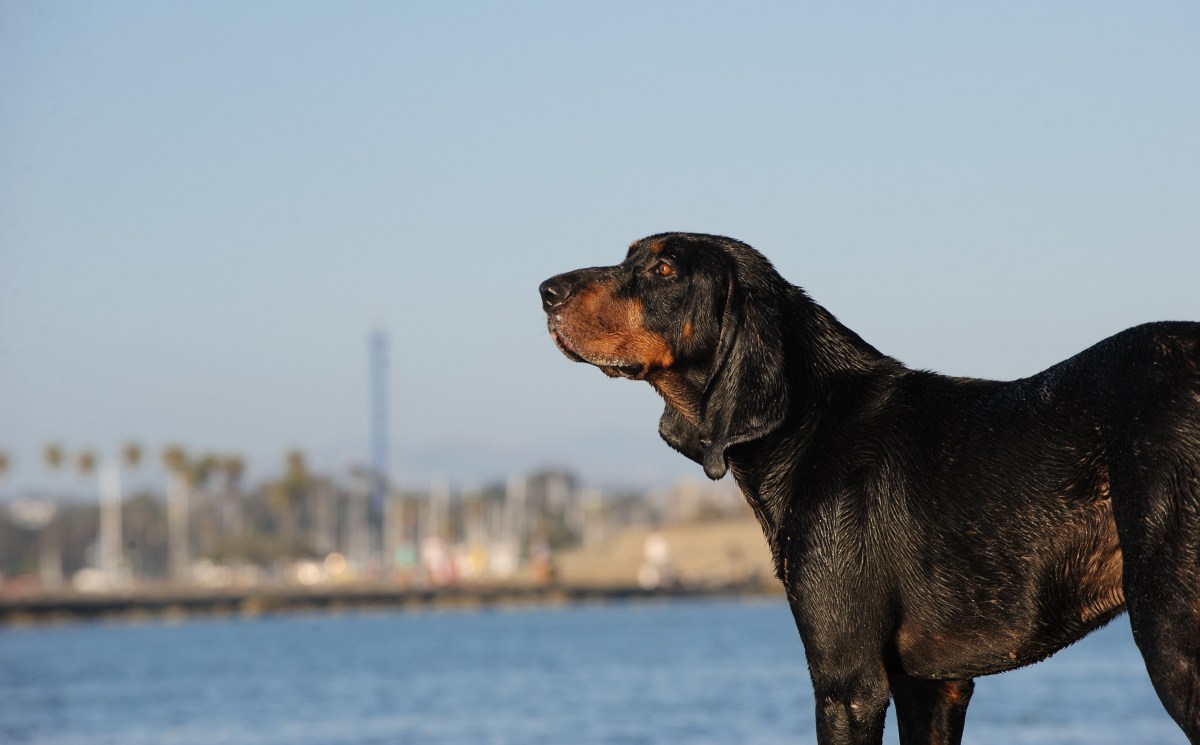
x,y
379,424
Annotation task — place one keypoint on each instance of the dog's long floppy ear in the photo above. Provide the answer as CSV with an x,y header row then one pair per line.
x,y
747,393
746,396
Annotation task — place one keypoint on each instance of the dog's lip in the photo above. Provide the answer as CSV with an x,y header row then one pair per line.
x,y
613,368
564,347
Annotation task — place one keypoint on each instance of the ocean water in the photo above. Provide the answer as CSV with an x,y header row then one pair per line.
x,y
647,673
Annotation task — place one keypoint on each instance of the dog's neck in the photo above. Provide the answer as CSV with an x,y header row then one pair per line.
x,y
820,349
827,364
681,389
828,369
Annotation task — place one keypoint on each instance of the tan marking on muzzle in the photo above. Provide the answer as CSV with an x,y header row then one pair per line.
x,y
610,331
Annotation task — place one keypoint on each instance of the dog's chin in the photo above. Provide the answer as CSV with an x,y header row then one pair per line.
x,y
611,368
565,348
616,370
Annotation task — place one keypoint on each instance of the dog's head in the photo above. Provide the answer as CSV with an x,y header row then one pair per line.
x,y
697,316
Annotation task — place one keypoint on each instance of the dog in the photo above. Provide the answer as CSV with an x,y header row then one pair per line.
x,y
927,529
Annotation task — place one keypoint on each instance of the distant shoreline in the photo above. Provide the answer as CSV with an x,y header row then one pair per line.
x,y
251,602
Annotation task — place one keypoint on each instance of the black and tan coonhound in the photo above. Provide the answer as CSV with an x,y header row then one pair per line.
x,y
927,529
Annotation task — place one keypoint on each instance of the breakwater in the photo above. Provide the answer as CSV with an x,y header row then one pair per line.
x,y
163,603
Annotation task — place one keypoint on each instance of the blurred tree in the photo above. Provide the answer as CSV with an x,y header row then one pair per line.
x,y
50,562
5,539
324,496
146,524
233,466
53,456
288,496
204,468
175,460
297,467
85,462
206,511
131,454
107,536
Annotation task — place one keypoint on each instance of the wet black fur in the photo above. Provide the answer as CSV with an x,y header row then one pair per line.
x,y
930,529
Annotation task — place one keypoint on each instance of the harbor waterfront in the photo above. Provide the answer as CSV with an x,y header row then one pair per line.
x,y
709,558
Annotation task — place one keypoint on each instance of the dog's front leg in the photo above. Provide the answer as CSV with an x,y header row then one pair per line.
x,y
844,644
930,712
852,702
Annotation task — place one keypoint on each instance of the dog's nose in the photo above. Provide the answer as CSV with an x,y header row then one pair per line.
x,y
555,292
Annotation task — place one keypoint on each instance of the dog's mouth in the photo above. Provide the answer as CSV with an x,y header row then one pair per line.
x,y
611,368
564,347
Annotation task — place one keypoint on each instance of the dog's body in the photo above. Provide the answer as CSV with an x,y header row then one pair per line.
x,y
927,529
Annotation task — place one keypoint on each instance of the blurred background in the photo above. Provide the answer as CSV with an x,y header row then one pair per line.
x,y
268,271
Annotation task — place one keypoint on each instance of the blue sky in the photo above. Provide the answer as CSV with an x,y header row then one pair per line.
x,y
205,208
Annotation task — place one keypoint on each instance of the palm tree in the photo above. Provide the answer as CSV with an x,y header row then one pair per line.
x,y
324,517
233,466
204,468
3,473
54,456
289,496
86,463
4,464
111,517
203,472
50,562
175,460
131,453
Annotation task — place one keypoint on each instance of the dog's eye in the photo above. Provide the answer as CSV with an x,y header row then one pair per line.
x,y
663,269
